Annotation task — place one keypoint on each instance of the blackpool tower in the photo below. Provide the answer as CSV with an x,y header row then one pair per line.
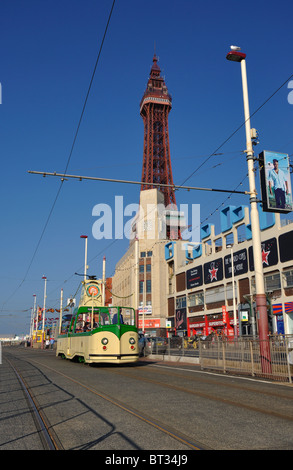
x,y
155,106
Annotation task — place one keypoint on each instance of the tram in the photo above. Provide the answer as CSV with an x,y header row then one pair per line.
x,y
96,333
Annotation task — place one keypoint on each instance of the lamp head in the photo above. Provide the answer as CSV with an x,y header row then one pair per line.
x,y
235,56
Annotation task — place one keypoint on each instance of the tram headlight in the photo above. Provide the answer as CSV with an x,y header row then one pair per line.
x,y
132,340
105,341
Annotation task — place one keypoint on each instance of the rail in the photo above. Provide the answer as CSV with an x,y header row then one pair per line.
x,y
45,434
243,355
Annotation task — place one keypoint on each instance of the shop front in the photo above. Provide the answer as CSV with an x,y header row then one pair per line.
x,y
204,325
151,326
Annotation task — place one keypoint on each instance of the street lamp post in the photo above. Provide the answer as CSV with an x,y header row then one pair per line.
x,y
44,310
61,308
261,302
34,322
85,255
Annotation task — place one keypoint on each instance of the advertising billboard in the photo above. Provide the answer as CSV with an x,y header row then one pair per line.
x,y
275,180
240,263
194,277
213,271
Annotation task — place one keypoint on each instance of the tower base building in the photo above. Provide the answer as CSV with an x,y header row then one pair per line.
x,y
141,278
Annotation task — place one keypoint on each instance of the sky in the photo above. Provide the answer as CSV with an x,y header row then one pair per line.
x,y
48,51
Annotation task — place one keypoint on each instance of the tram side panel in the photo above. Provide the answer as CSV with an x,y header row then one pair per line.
x,y
63,342
77,348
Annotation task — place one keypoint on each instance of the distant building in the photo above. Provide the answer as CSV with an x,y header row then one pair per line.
x,y
5,338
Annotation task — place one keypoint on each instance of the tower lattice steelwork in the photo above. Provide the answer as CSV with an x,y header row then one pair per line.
x,y
155,106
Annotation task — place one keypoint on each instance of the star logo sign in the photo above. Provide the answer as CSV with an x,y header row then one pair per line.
x,y
265,255
213,273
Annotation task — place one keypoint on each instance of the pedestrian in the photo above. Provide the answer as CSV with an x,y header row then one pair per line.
x,y
47,344
52,342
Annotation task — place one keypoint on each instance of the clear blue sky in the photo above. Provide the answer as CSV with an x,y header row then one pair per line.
x,y
47,55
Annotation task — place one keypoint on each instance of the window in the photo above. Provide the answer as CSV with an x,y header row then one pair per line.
x,y
288,278
148,268
141,287
216,294
272,282
181,302
196,299
142,254
148,286
127,315
149,253
80,322
141,268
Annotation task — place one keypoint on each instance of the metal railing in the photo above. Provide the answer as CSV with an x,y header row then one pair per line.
x,y
245,356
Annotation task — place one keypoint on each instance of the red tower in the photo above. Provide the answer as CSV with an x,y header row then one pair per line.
x,y
155,106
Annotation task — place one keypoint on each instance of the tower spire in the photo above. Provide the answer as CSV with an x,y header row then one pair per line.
x,y
155,106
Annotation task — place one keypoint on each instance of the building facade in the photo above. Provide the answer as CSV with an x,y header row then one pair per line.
x,y
211,286
140,279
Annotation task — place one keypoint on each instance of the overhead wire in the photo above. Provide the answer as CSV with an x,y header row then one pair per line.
x,y
75,137
227,140
233,133
69,157
186,179
215,152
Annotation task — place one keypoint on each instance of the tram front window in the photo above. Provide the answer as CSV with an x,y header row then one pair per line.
x,y
104,319
114,316
128,315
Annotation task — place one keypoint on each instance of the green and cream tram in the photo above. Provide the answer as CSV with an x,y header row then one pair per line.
x,y
97,333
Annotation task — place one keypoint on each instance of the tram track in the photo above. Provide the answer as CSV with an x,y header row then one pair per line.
x,y
212,396
185,383
51,440
47,437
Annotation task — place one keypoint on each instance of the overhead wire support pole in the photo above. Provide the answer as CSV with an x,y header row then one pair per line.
x,y
111,180
261,302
